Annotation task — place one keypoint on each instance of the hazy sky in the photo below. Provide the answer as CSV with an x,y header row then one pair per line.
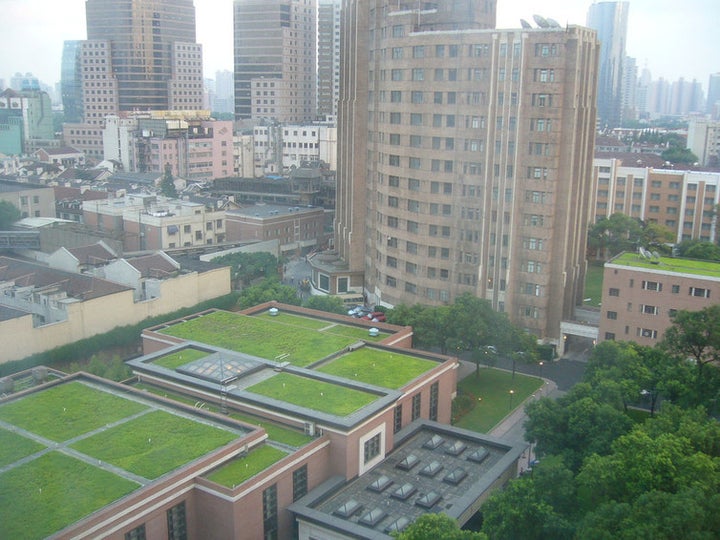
x,y
672,39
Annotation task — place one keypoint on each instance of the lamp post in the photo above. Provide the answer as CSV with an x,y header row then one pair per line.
x,y
512,393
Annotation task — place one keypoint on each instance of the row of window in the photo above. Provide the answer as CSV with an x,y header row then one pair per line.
x,y
658,286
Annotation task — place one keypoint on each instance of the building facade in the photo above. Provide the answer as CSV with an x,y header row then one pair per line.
x,y
704,140
465,159
610,19
275,59
328,57
26,121
641,294
32,200
682,201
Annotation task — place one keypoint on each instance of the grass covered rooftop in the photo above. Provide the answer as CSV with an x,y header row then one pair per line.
x,y
285,337
669,264
71,449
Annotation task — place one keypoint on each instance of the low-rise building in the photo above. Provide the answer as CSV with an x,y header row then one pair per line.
x,y
296,228
64,156
32,200
641,292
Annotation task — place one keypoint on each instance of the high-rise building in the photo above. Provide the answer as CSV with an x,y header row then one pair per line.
x,y
465,160
275,42
155,59
629,88
328,57
610,20
71,81
713,96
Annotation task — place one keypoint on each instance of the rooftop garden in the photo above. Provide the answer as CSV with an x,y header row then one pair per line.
x,y
276,338
378,367
67,410
242,468
313,394
669,264
52,490
46,494
154,443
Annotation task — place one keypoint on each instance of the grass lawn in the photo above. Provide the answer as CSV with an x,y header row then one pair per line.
x,y
48,493
67,410
492,389
593,284
155,443
275,432
671,264
266,337
240,469
180,358
355,332
382,368
14,447
313,394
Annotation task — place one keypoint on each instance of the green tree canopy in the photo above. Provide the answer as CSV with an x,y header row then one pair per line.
x,y
247,267
697,249
613,235
679,155
331,304
167,184
9,214
268,290
436,527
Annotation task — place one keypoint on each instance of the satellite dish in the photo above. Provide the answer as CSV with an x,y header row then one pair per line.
x,y
553,23
656,254
524,23
541,22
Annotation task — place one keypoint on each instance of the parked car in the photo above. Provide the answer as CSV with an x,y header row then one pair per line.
x,y
375,316
359,311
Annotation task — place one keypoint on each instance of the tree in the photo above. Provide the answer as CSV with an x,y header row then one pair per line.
x,y
437,526
268,290
9,214
521,512
679,155
331,304
706,251
574,426
696,335
167,184
613,235
656,237
247,267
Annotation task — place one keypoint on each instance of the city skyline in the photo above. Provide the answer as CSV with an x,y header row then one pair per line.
x,y
657,37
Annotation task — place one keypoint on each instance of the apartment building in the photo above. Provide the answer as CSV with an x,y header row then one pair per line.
x,y
465,158
684,201
32,200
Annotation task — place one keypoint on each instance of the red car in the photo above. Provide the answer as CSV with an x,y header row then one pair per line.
x,y
375,316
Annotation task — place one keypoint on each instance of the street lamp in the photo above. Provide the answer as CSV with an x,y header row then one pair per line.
x,y
512,393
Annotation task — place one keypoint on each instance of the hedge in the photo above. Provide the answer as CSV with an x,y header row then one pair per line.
x,y
122,336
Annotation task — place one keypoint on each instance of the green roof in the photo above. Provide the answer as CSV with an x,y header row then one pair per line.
x,y
669,264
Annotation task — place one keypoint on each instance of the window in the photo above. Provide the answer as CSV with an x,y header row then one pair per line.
x,y
371,448
138,533
651,286
394,160
649,310
418,51
413,184
390,281
398,31
647,333
415,119
434,399
394,181
395,117
176,523
612,315
415,141
418,74
395,96
416,97
614,292
395,139
397,419
397,53
675,289
610,336
700,292
416,404
270,513
300,485
396,74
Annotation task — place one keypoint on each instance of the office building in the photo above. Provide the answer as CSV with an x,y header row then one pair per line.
x,y
26,121
275,42
464,164
156,61
610,19
328,57
704,140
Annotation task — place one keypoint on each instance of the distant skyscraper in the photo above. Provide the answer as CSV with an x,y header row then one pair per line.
x,y
629,87
151,46
328,57
610,20
275,43
464,160
713,97
71,87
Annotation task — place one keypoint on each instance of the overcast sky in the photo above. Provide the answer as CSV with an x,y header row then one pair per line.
x,y
672,39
